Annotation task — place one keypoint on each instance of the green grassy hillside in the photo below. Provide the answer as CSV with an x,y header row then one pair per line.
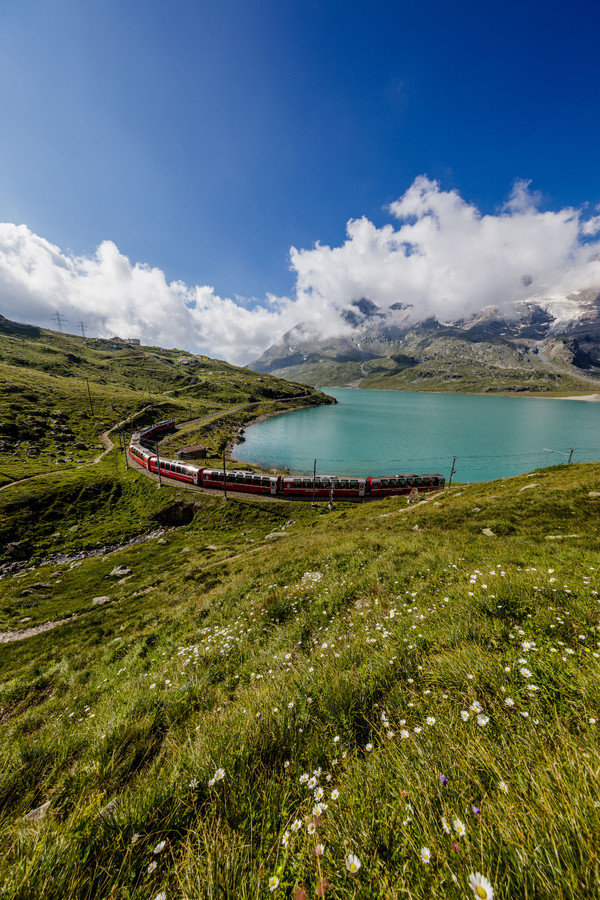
x,y
276,700
59,393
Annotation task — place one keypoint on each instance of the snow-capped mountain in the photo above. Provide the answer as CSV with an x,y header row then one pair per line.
x,y
540,344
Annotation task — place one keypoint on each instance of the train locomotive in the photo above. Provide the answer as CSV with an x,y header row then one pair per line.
x,y
293,487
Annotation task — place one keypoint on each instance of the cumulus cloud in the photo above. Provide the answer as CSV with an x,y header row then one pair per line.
x,y
449,261
443,258
115,297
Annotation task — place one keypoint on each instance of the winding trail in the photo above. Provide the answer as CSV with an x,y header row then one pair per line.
x,y
108,446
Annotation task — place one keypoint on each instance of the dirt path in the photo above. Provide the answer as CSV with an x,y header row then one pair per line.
x,y
108,445
7,637
215,415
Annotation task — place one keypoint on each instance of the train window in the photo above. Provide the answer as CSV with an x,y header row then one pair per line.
x,y
265,482
239,478
418,481
343,482
297,482
324,482
410,482
385,482
307,482
427,481
257,480
353,484
247,479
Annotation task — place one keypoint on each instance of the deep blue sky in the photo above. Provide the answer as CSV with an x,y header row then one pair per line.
x,y
207,138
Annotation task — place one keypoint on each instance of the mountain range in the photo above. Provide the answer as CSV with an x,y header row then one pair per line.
x,y
548,344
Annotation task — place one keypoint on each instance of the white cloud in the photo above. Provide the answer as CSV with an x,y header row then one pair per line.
x,y
591,226
448,260
114,297
443,257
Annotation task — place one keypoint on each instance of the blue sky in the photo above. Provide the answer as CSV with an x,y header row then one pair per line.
x,y
208,139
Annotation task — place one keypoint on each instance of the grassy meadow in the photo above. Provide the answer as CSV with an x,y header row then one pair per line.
x,y
279,700
275,695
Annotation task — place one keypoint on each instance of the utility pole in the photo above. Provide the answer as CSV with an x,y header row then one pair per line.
x,y
158,464
314,479
224,477
83,328
562,452
90,397
124,446
453,470
59,320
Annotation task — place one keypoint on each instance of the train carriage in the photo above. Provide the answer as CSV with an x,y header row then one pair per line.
x,y
249,482
179,471
151,432
322,486
404,484
140,454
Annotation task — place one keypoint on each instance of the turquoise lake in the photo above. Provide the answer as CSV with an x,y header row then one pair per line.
x,y
389,432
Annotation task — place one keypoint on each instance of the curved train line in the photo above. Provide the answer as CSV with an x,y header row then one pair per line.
x,y
284,487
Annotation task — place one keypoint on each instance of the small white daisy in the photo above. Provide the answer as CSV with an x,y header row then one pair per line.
x,y
459,827
481,887
353,863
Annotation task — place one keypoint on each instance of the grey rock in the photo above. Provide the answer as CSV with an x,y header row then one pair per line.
x,y
488,532
99,601
36,815
120,572
109,809
19,550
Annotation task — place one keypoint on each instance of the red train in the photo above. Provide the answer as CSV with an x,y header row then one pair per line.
x,y
285,486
